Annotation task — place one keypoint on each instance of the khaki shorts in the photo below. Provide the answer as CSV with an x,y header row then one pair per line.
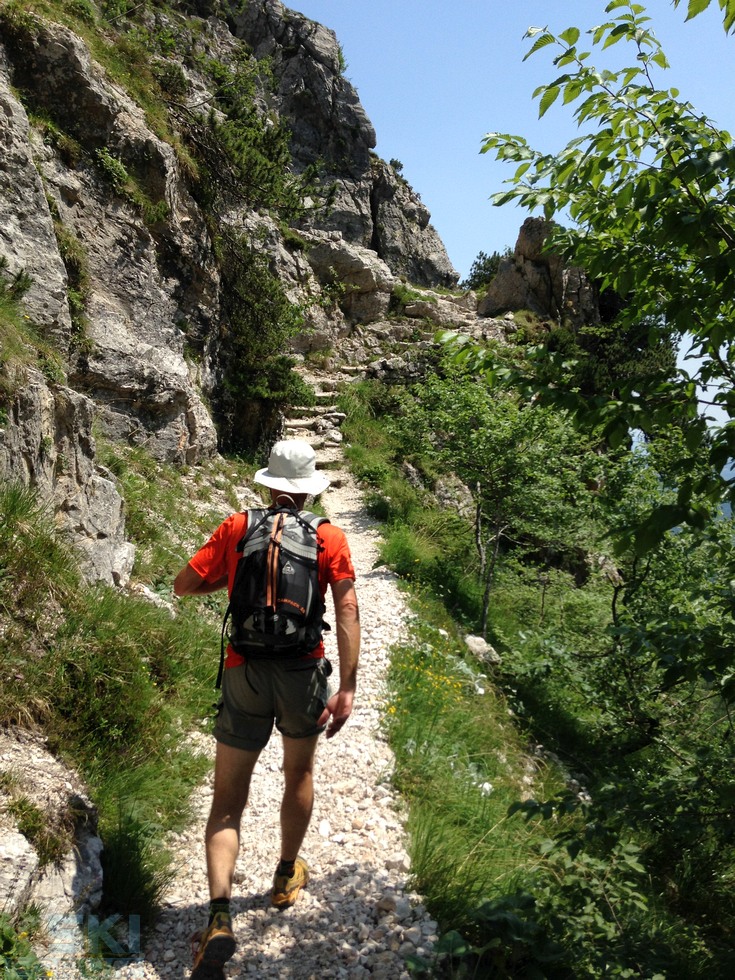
x,y
293,694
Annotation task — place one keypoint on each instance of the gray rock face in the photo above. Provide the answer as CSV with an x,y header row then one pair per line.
x,y
534,280
27,239
398,216
373,206
326,117
136,369
57,791
47,443
18,866
143,361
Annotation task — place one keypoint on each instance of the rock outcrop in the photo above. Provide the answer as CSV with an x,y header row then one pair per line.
x,y
34,779
373,207
27,240
47,443
536,280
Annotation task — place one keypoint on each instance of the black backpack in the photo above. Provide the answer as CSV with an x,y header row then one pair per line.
x,y
276,608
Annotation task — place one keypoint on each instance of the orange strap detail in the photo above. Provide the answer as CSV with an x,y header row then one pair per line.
x,y
274,548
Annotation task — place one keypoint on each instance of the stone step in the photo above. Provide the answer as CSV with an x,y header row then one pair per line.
x,y
352,369
306,411
327,452
308,424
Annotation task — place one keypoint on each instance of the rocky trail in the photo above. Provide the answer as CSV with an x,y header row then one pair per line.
x,y
357,918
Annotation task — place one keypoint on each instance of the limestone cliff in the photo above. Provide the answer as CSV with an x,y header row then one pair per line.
x,y
113,210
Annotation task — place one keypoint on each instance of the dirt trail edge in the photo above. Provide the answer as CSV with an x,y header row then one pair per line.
x,y
357,918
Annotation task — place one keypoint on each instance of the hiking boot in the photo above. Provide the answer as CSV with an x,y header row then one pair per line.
x,y
216,946
286,890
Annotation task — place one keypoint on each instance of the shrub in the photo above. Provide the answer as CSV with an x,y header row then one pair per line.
x,y
136,870
17,959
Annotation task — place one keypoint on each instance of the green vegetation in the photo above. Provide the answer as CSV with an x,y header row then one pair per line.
x,y
483,270
17,959
162,531
78,283
114,680
403,294
461,763
50,843
602,661
649,191
259,320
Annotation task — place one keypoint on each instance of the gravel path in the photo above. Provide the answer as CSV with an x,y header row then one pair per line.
x,y
357,918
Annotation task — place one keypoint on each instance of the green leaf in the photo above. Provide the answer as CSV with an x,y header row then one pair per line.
x,y
696,7
541,42
454,943
548,99
616,34
572,91
570,36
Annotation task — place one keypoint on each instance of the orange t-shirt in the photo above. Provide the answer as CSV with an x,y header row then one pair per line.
x,y
219,557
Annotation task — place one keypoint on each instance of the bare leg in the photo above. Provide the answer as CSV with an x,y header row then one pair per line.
x,y
232,771
298,793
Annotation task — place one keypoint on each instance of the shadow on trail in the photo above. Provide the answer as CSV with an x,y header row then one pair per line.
x,y
337,928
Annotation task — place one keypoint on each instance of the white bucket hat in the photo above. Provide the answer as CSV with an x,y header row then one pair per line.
x,y
292,467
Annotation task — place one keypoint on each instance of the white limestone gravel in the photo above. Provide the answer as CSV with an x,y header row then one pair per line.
x,y
357,918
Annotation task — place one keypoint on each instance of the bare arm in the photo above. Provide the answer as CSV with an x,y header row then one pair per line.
x,y
189,582
347,616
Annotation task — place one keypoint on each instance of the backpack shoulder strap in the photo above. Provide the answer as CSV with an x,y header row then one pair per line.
x,y
313,520
256,517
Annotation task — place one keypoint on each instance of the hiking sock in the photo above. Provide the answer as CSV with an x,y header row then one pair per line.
x,y
286,868
218,905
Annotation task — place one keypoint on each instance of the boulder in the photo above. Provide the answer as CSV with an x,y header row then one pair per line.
x,y
366,279
536,280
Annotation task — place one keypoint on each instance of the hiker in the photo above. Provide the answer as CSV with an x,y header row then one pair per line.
x,y
258,691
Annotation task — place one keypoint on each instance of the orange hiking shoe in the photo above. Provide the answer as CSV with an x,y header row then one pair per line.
x,y
286,890
216,946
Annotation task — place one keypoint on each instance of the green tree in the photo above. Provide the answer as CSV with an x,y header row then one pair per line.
x,y
524,465
258,320
649,190
484,269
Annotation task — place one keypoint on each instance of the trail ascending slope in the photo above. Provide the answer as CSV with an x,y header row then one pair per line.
x,y
356,919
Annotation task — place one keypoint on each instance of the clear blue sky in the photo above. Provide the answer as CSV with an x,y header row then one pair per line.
x,y
434,77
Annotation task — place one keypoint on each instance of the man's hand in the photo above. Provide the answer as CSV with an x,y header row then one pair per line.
x,y
339,709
